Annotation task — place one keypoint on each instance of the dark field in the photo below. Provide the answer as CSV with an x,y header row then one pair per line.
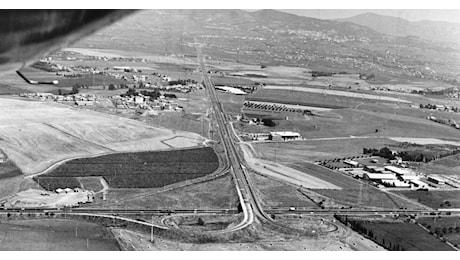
x,y
304,98
9,169
55,235
448,227
9,90
218,193
435,199
144,169
401,236
53,183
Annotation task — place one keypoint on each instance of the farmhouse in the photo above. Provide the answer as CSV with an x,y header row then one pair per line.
x,y
284,135
351,163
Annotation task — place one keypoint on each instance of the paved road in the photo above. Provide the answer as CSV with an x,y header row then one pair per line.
x,y
245,193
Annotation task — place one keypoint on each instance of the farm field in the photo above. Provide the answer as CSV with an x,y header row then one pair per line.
x,y
315,150
55,235
273,193
284,173
218,193
354,122
435,198
36,135
400,235
137,170
362,96
448,227
8,90
9,169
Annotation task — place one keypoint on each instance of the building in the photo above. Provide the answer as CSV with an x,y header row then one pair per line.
x,y
399,171
351,163
437,180
419,184
379,176
396,184
284,135
235,91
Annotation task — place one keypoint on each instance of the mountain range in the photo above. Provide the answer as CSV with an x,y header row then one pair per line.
x,y
428,30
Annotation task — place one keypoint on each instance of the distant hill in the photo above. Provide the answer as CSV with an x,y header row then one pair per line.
x,y
428,30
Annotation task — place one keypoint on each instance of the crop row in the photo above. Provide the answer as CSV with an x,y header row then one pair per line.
x,y
142,170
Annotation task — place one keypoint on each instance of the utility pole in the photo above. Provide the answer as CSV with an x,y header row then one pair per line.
x,y
151,231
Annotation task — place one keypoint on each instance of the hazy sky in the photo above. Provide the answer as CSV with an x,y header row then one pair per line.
x,y
449,15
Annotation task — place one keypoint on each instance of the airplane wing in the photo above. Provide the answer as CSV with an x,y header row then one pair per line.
x,y
28,35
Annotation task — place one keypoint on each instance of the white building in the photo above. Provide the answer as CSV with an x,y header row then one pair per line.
x,y
399,171
285,135
379,176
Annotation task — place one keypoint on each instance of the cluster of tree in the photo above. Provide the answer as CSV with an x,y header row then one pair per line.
x,y
385,152
268,122
362,229
113,87
154,94
411,156
182,82
366,76
75,89
433,107
315,73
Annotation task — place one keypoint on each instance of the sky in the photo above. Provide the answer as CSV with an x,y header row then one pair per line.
x,y
446,15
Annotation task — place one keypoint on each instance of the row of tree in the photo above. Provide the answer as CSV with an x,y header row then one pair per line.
x,y
362,229
411,156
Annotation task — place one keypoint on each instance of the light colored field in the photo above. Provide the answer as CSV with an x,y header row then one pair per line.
x,y
424,141
338,93
36,135
284,173
39,198
128,54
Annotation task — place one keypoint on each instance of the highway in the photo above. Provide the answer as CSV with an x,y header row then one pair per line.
x,y
243,188
248,200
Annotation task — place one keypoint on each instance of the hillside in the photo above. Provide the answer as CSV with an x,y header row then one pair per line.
x,y
428,30
271,37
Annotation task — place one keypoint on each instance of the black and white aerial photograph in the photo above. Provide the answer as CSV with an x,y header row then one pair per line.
x,y
236,128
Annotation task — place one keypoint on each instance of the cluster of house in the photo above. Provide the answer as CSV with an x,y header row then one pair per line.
x,y
76,99
144,103
390,176
181,88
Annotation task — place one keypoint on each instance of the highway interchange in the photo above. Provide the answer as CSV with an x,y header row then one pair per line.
x,y
249,202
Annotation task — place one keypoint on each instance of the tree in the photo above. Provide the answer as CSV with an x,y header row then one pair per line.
x,y
200,221
75,89
111,87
